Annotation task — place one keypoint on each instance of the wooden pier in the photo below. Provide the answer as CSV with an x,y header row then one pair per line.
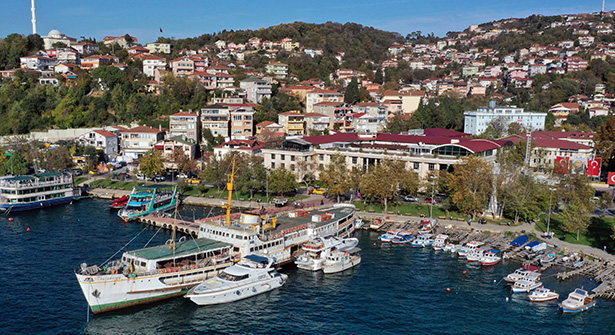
x,y
181,226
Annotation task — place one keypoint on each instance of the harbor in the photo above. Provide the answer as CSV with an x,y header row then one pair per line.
x,y
397,274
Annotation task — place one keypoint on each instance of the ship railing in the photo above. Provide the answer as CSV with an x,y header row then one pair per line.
x,y
33,183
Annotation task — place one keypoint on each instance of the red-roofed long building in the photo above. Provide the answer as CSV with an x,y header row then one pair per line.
x,y
548,145
421,153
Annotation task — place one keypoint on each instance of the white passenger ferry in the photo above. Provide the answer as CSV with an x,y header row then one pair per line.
x,y
35,191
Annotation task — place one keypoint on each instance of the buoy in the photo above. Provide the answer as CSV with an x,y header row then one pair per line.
x,y
494,281
448,289
464,272
10,219
28,229
374,243
506,299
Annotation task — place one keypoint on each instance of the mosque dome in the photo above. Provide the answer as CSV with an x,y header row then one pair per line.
x,y
54,33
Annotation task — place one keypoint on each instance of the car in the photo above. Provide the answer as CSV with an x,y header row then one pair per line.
x,y
410,198
160,178
319,191
193,181
280,202
429,200
182,176
94,172
77,172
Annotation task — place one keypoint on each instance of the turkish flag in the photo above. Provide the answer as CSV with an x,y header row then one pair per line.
x,y
611,180
593,167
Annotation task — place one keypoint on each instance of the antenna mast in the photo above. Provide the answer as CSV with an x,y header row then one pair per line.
x,y
34,17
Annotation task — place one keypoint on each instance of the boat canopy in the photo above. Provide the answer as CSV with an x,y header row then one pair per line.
x,y
530,267
257,259
532,244
495,251
181,249
519,241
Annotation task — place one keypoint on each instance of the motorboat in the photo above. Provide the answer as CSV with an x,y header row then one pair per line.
x,y
439,242
543,294
548,258
529,283
402,237
464,250
427,226
578,301
119,202
251,276
476,254
338,260
317,249
520,273
422,241
389,235
451,247
491,257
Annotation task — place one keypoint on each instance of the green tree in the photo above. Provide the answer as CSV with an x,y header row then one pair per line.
x,y
335,177
91,157
387,179
605,142
352,95
109,76
281,181
15,164
575,195
251,175
470,185
151,164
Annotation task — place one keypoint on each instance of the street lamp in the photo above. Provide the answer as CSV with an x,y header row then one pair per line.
x,y
550,200
433,186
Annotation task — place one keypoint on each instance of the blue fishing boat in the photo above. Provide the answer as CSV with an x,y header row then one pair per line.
x,y
402,237
519,241
577,301
149,200
35,191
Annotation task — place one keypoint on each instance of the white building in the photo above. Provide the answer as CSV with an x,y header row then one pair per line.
x,y
151,63
104,140
138,141
476,122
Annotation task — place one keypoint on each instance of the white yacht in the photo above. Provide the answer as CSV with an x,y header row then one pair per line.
x,y
476,254
578,301
318,248
520,273
251,276
338,260
466,249
529,283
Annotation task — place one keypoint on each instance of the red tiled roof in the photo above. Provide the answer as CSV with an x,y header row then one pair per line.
x,y
105,133
143,129
184,113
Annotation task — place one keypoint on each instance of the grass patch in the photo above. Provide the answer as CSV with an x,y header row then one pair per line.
x,y
598,233
114,184
409,209
80,180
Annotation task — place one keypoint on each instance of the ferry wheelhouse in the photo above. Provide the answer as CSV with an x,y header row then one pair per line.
x,y
148,200
151,274
35,191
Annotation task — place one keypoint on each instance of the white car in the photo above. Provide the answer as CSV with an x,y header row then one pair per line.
x,y
410,198
182,176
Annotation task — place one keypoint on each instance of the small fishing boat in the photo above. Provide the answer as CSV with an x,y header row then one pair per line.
x,y
520,273
529,283
251,276
548,258
317,249
119,203
439,242
422,241
427,226
491,257
476,254
402,237
338,260
376,224
464,250
388,236
577,301
543,294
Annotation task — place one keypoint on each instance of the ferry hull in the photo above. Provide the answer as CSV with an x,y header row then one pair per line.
x,y
35,204
111,292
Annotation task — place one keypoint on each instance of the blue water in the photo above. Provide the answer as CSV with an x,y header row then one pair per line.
x,y
396,289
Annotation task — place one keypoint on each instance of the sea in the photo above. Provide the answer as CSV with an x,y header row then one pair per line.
x,y
395,290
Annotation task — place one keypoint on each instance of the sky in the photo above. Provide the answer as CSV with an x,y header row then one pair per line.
x,y
190,18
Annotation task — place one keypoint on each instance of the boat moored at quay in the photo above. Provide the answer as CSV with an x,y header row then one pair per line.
x,y
151,274
35,191
148,200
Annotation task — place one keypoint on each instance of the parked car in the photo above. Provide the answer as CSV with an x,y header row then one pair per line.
x,y
429,200
94,172
193,181
160,178
76,172
280,202
319,191
182,176
410,198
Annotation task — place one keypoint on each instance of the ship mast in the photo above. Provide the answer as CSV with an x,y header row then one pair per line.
x,y
229,187
172,243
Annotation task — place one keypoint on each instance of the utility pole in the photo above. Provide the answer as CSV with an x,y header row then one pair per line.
x,y
433,186
528,148
549,216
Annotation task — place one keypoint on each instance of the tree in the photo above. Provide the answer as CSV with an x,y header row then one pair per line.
x,y
387,180
334,176
523,198
16,164
281,181
183,162
575,194
304,170
215,171
352,95
470,185
151,164
497,127
109,76
378,77
91,157
251,175
56,159
605,142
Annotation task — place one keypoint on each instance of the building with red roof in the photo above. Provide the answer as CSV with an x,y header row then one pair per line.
x,y
139,140
421,152
103,140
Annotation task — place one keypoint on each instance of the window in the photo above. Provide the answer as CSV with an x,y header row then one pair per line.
x,y
432,166
272,156
292,158
292,167
273,165
282,165
354,160
322,157
416,165
282,157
